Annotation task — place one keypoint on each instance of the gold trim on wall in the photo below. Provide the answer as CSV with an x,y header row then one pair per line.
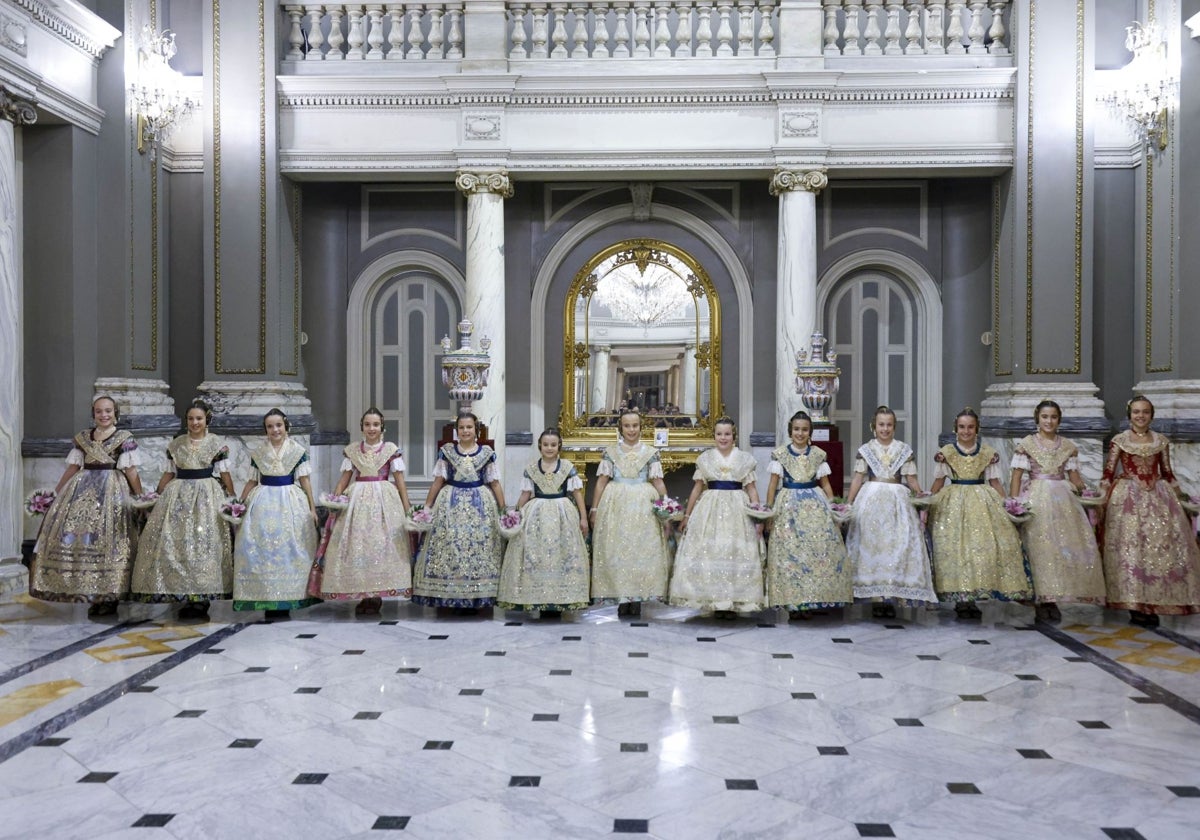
x,y
1079,179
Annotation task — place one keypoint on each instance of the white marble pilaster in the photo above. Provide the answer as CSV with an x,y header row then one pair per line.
x,y
484,304
601,355
1177,414
796,291
13,112
1082,411
687,400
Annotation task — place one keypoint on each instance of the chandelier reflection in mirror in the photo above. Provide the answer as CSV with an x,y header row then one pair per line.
x,y
157,90
1149,85
644,293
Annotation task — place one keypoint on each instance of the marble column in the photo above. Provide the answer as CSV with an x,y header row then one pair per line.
x,y
600,357
796,279
13,112
484,305
688,396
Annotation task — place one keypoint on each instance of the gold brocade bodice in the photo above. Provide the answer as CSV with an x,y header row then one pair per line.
x,y
548,483
713,466
207,451
371,461
101,451
968,466
467,467
629,463
800,466
1047,461
282,461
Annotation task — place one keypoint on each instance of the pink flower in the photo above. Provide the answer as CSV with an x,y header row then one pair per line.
x,y
422,515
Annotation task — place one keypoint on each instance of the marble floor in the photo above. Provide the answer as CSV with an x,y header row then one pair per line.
x,y
668,726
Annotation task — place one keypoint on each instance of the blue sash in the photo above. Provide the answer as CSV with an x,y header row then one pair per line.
x,y
276,480
724,485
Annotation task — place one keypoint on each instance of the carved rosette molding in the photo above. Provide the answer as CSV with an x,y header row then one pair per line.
x,y
473,183
787,180
16,110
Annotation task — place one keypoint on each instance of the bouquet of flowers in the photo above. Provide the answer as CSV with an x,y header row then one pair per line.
x,y
1017,510
510,523
335,501
923,500
144,501
1191,505
668,509
841,510
759,511
421,519
38,502
233,510
1090,498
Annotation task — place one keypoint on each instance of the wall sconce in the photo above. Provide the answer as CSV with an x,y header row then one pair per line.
x,y
1149,86
157,90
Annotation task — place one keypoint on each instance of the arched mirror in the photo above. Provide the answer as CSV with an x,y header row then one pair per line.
x,y
642,329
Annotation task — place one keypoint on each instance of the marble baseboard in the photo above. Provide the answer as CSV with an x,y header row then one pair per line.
x,y
14,581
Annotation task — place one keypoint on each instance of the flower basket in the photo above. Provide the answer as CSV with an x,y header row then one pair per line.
x,y
1191,505
233,511
510,524
1090,498
335,502
1017,511
923,500
760,512
38,502
668,509
420,522
145,501
841,511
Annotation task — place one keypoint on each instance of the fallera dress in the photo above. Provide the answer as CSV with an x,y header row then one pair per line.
x,y
459,564
546,564
884,540
85,550
976,547
276,542
186,553
807,564
1151,561
718,565
1058,538
364,550
630,562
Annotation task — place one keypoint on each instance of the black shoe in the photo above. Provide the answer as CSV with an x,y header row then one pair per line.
x,y
550,615
102,609
967,610
883,611
277,615
630,609
1143,619
194,610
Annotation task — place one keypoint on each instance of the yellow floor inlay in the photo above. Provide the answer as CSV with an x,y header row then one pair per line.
x,y
144,643
32,697
23,608
1141,648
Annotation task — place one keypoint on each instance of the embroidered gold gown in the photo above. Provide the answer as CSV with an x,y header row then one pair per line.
x,y
1058,538
629,550
718,565
807,564
364,552
885,541
185,553
546,564
85,549
976,548
277,539
459,563
1151,561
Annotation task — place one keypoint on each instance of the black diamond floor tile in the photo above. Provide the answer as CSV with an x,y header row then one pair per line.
x,y
706,638
213,651
637,694
874,830
1028,677
870,675
1034,754
368,715
391,823
307,689
97,778
972,698
257,669
388,623
152,820
353,652
842,641
524,781
245,743
961,787
560,672
782,656
725,719
741,784
51,742
572,638
803,695
407,670
1123,834
639,624
471,692
310,778
638,654
1094,724
635,748
714,673
979,641
631,826
438,637
143,689
190,713
893,627
306,635
1188,792
928,657
832,751
908,721
494,653
544,718
438,745
514,624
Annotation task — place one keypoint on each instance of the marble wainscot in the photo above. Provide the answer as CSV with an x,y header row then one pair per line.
x,y
1177,415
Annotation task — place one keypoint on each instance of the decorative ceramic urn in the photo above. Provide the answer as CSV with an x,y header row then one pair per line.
x,y
465,370
817,378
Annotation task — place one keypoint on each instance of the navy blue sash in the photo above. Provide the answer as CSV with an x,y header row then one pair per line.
x,y
967,481
800,485
207,472
454,483
276,480
724,485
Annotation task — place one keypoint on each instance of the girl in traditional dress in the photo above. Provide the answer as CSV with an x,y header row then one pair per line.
x,y
86,546
278,537
630,563
718,565
185,553
364,554
976,548
546,565
807,565
885,541
1058,539
459,565
1151,562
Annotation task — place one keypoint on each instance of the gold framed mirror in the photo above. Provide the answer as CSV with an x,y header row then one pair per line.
x,y
641,329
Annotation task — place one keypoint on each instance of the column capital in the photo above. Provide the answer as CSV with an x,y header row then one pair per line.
x,y
485,181
15,109
790,180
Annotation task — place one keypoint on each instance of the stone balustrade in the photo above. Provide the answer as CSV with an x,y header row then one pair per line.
x,y
373,31
915,27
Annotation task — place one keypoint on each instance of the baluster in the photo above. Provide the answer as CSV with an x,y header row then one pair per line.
x,y
559,33
315,38
641,30
683,29
830,32
375,32
977,31
954,31
437,38
872,32
766,32
416,13
912,34
996,32
518,32
600,31
935,25
539,31
852,34
622,34
704,29
662,33
455,38
295,33
724,30
580,36
356,39
745,36
336,38
892,31
395,38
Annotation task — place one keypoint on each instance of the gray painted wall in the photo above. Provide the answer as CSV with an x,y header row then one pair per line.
x,y
1115,311
185,270
1187,136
